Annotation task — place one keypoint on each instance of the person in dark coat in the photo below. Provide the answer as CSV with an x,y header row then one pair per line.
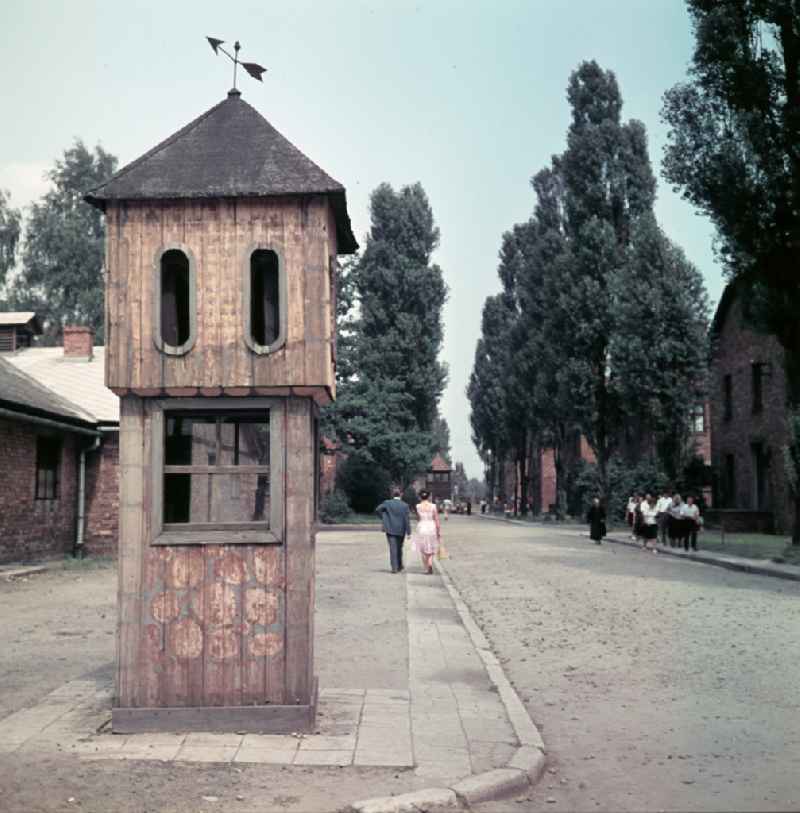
x,y
396,517
597,521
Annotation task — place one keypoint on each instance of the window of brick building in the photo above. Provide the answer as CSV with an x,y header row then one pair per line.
x,y
730,480
698,419
757,378
48,463
727,396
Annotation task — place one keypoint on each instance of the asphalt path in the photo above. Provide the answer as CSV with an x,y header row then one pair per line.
x,y
657,684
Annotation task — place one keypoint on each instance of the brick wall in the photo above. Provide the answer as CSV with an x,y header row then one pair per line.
x,y
30,528
736,349
102,498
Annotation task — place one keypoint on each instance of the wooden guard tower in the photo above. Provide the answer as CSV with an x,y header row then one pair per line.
x,y
221,257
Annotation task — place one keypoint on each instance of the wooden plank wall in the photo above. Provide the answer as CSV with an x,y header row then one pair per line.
x,y
214,625
218,233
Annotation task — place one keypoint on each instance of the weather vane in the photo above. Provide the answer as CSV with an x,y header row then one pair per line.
x,y
254,70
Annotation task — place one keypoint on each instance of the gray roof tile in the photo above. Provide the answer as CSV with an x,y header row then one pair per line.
x,y
20,390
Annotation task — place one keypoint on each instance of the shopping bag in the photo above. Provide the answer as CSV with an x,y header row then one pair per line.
x,y
442,553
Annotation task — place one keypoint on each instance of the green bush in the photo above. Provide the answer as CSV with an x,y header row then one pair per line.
x,y
410,496
334,507
365,484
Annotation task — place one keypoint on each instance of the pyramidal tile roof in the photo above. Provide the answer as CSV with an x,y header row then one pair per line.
x,y
229,151
439,464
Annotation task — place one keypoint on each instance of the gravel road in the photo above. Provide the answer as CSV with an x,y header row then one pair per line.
x,y
657,684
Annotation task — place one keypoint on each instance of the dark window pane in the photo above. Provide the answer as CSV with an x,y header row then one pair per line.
x,y
48,461
175,319
264,306
177,497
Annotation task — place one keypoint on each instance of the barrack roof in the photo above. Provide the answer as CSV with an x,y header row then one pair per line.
x,y
230,151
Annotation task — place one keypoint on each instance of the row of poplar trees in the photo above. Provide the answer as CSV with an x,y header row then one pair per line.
x,y
601,321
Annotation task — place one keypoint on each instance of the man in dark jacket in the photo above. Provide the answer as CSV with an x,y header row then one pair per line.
x,y
396,517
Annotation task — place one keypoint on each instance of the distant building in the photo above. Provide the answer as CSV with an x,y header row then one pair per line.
x,y
59,440
748,422
17,330
439,479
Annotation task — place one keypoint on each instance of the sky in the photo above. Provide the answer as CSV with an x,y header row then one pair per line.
x,y
468,98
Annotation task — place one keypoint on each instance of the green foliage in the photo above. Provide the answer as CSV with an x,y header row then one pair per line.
x,y
390,322
623,479
410,497
606,316
732,148
10,220
365,484
441,437
334,506
63,251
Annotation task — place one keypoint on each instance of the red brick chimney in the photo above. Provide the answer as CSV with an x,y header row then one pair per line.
x,y
78,342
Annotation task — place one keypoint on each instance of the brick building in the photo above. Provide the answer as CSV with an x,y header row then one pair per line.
x,y
59,425
748,421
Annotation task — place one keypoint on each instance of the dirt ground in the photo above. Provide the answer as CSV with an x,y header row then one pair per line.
x,y
59,625
658,685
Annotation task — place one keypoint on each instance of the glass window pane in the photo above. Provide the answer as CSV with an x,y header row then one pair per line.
x,y
216,498
191,440
245,440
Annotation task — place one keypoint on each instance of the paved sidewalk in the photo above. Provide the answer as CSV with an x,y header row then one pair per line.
x,y
441,718
759,567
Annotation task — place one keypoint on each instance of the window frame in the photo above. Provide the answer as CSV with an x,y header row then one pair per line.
x,y
757,386
283,311
727,397
698,414
158,341
219,533
56,469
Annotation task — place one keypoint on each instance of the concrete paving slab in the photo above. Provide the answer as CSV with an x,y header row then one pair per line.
x,y
340,758
206,753
321,743
264,756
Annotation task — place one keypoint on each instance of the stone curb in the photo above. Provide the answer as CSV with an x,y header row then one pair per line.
x,y
524,769
728,562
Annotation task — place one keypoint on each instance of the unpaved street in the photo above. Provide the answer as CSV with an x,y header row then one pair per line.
x,y
657,684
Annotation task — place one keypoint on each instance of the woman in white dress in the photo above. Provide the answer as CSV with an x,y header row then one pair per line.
x,y
428,533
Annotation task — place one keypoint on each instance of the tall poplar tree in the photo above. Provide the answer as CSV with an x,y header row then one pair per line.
x,y
386,408
608,186
733,151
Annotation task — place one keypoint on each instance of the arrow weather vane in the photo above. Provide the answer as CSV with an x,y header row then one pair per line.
x,y
254,70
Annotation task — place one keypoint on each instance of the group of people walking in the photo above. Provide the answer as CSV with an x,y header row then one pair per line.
x,y
667,520
427,537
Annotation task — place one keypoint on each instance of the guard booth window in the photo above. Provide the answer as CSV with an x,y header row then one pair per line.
x,y
264,297
175,298
216,470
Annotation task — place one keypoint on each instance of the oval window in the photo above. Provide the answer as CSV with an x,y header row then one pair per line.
x,y
175,298
264,297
